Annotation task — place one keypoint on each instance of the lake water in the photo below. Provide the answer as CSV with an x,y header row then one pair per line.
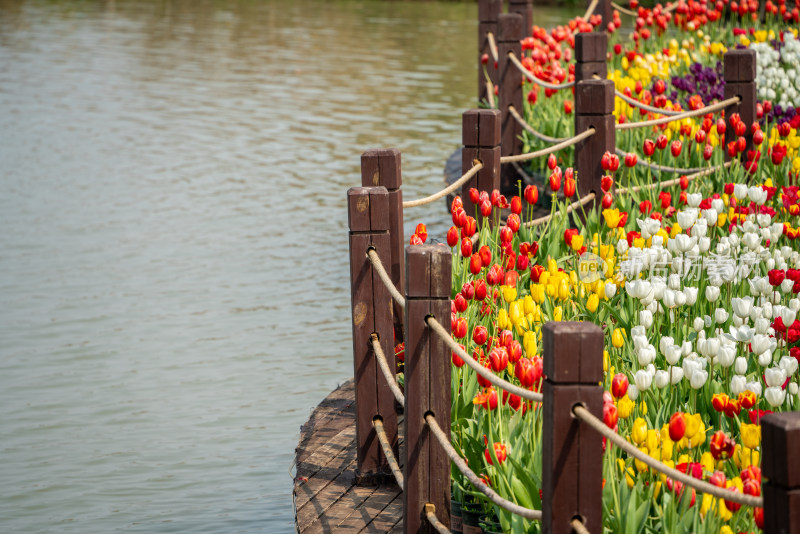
x,y
174,291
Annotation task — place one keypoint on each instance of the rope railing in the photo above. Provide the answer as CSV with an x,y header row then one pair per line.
x,y
490,93
578,526
642,105
492,46
459,462
680,116
700,485
437,327
534,79
660,168
387,372
549,150
590,10
375,260
430,515
624,10
386,447
572,207
675,181
476,166
522,122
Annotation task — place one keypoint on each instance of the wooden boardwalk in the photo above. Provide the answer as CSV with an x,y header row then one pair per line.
x,y
326,499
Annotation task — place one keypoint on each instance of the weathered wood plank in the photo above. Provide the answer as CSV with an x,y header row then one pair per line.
x,y
387,518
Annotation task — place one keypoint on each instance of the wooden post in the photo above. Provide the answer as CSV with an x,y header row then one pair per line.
x,y
509,29
480,133
427,388
740,74
488,11
594,108
780,465
590,56
524,8
572,453
604,9
382,167
368,217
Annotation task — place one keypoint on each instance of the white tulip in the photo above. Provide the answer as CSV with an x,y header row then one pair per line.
x,y
672,354
794,304
763,219
674,282
646,355
742,306
694,200
738,384
793,388
657,242
765,358
687,218
669,298
698,324
760,343
788,315
738,321
767,306
754,386
680,298
658,287
639,341
710,215
787,285
638,330
646,318
720,315
661,379
633,391
775,396
788,365
711,348
740,365
690,366
751,240
703,244
610,289
665,342
774,376
622,246
740,191
686,348
676,375
643,380
699,379
700,228
726,356
712,293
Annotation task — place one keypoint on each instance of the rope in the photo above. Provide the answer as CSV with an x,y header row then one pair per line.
x,y
534,79
490,93
661,168
430,514
437,327
572,207
577,526
476,166
387,372
675,181
590,10
513,111
387,451
377,264
671,8
680,116
624,10
700,485
527,513
549,150
492,45
638,104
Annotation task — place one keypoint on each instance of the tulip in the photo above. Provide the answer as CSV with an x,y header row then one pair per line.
x,y
643,380
555,182
677,426
649,147
531,194
479,335
610,415
775,396
639,431
606,183
630,159
466,247
498,358
500,453
569,187
675,148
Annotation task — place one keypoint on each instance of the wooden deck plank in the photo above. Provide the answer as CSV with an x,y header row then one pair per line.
x,y
326,499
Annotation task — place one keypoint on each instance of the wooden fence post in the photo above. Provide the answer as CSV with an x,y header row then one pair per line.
x,y
572,453
780,465
594,108
488,11
382,167
480,133
740,74
509,29
427,386
604,9
590,56
524,8
368,218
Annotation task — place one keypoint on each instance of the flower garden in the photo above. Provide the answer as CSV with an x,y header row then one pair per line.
x,y
695,283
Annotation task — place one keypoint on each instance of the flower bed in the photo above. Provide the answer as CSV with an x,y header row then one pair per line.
x,y
694,284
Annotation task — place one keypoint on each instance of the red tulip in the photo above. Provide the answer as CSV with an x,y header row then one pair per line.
x,y
474,195
513,220
708,151
480,289
619,385
460,217
660,87
486,255
630,159
700,137
422,232
721,446
677,426
551,162
475,265
486,208
470,227
607,200
416,240
758,137
569,188
452,236
459,327
498,359
661,142
531,194
456,359
610,416
676,148
568,107
649,147
514,351
466,247
479,335
555,182
500,452
645,207
516,205
606,183
721,126
460,303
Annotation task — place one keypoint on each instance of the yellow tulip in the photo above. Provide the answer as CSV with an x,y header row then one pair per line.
x,y
605,361
707,461
552,266
693,422
509,293
529,343
514,313
528,304
502,319
612,218
640,465
625,407
544,279
563,290
751,435
558,313
675,230
722,218
537,293
653,439
639,431
617,338
666,448
592,303
705,506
